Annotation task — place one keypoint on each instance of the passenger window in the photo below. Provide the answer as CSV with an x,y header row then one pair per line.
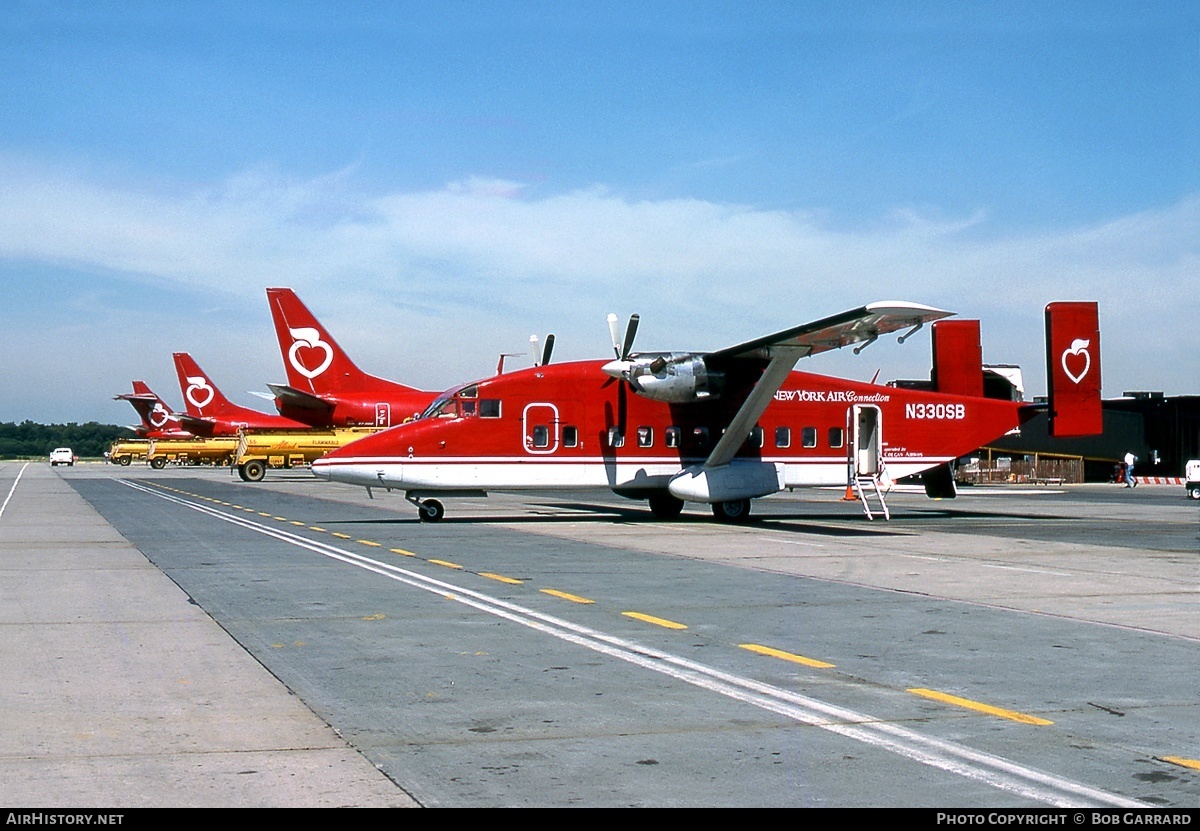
x,y
672,437
489,407
808,436
783,436
837,436
700,436
570,436
541,435
615,437
645,437
756,437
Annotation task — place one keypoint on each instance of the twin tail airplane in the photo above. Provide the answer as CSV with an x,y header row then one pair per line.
x,y
724,427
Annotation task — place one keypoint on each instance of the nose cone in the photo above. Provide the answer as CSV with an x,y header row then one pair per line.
x,y
616,369
320,469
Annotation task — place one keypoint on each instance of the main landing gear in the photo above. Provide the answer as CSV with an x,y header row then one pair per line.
x,y
429,510
735,510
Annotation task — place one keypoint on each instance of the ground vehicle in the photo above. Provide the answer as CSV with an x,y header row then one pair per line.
x,y
1192,478
257,451
191,451
62,456
124,452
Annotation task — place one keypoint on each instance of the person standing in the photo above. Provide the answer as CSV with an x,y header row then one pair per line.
x,y
1130,482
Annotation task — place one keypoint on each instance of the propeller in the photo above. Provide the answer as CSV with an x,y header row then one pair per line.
x,y
546,352
622,350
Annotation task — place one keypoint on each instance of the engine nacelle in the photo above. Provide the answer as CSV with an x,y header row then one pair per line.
x,y
679,378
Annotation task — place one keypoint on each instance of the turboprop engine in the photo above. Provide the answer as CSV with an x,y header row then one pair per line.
x,y
676,378
673,377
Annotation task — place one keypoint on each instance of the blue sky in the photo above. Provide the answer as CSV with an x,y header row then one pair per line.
x,y
440,180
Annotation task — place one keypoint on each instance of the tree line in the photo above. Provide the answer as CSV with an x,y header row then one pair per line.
x,y
30,439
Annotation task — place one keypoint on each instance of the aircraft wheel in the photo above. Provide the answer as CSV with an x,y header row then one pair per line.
x,y
124,461
253,471
665,506
1194,493
431,510
158,462
736,510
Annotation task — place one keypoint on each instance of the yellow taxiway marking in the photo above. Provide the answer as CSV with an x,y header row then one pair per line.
x,y
282,519
1194,764
514,581
657,621
370,542
786,656
262,513
341,536
402,551
316,528
445,563
574,598
1013,715
297,522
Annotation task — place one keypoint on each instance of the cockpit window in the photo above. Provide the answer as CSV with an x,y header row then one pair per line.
x,y
443,405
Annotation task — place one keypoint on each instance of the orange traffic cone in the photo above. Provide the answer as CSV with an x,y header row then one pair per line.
x,y
849,497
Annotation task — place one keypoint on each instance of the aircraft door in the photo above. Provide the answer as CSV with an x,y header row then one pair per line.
x,y
865,447
541,427
383,414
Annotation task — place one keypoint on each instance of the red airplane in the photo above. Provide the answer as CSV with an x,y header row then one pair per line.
x,y
158,422
210,413
728,426
325,388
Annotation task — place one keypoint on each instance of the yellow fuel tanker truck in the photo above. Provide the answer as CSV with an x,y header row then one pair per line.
x,y
191,452
256,452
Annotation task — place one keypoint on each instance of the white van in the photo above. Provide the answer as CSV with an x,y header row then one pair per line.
x,y
62,456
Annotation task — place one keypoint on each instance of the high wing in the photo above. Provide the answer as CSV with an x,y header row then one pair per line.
x,y
783,349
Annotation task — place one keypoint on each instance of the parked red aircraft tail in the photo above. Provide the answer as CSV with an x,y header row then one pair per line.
x,y
1073,369
158,421
325,388
210,413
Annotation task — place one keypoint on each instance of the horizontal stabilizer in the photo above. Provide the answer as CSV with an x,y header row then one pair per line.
x,y
299,398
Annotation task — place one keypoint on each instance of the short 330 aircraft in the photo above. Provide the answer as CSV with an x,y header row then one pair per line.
x,y
325,388
724,427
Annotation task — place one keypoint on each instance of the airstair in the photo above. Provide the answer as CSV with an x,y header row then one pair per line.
x,y
865,466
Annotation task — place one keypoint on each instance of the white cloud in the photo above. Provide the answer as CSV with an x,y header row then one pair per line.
x,y
435,283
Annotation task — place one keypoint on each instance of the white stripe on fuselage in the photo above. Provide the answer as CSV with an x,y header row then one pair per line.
x,y
525,474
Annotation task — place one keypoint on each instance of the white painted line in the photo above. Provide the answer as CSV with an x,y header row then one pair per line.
x,y
13,489
944,755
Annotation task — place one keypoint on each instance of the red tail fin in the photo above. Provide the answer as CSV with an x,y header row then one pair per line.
x,y
154,412
957,357
200,395
1073,369
313,360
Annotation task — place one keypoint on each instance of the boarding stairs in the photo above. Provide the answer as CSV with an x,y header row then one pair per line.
x,y
866,487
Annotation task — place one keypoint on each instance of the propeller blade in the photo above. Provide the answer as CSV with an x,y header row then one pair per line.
x,y
533,348
613,331
548,350
630,332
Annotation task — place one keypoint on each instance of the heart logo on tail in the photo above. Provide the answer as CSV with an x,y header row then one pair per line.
x,y
1071,358
307,338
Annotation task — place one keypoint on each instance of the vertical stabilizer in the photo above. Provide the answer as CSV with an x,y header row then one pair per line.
x,y
1073,369
200,395
312,358
957,357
